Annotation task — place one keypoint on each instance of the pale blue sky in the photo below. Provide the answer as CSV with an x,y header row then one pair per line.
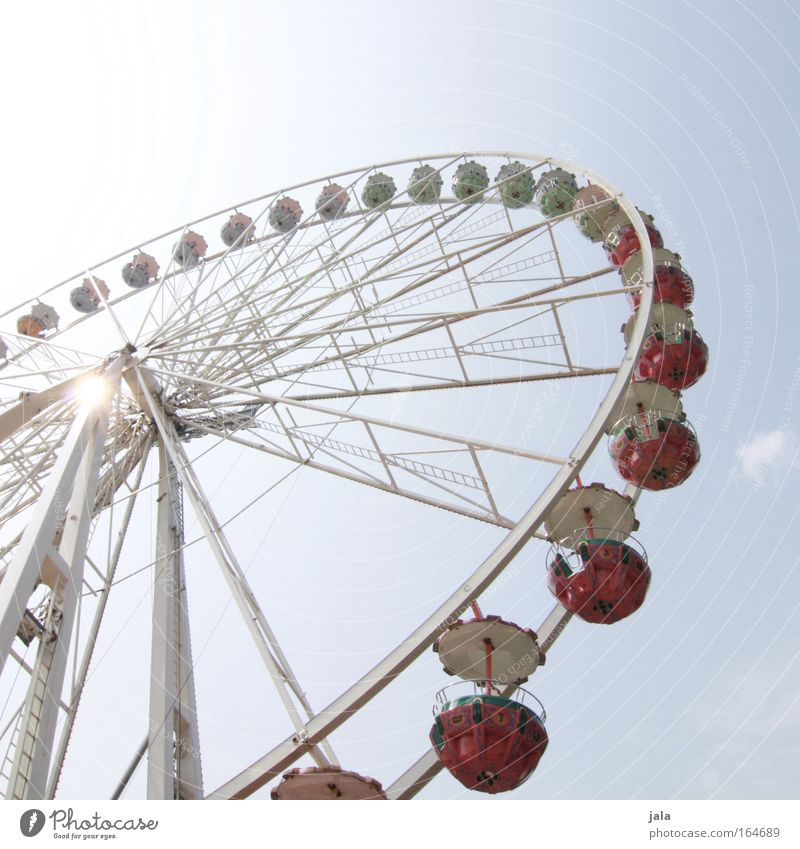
x,y
124,122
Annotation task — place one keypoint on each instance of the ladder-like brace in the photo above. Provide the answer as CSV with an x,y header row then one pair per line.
x,y
68,496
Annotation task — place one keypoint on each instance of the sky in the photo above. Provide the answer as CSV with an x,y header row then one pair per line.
x,y
123,121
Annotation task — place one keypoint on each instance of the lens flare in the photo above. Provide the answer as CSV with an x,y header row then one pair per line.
x,y
91,391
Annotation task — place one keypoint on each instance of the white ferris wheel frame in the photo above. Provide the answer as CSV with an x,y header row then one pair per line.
x,y
75,480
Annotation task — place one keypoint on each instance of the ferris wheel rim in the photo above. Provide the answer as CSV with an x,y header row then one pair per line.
x,y
560,482
630,210
286,753
540,159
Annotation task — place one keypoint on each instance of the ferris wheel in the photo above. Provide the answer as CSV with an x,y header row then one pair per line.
x,y
312,327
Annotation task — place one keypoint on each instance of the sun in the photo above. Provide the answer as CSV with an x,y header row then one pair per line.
x,y
92,390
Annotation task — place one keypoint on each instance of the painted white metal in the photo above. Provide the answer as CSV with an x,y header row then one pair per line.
x,y
188,764
132,767
364,480
273,763
312,733
275,661
173,760
75,478
163,686
31,562
333,414
267,344
71,710
31,404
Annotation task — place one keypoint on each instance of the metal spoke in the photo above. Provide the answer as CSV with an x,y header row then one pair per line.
x,y
292,345
263,637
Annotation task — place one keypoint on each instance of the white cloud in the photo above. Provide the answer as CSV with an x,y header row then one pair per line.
x,y
769,455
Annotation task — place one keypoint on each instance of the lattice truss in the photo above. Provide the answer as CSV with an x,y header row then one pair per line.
x,y
28,457
271,344
404,298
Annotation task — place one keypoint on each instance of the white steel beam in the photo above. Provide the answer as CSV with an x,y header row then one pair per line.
x,y
334,414
173,757
268,356
24,571
80,679
267,645
163,690
75,476
451,384
188,765
282,756
30,405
